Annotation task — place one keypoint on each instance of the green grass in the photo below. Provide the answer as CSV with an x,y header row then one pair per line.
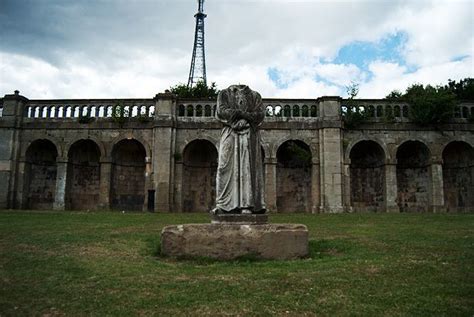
x,y
360,264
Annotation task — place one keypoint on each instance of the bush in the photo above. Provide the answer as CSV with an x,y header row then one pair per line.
x,y
200,90
353,116
120,114
428,105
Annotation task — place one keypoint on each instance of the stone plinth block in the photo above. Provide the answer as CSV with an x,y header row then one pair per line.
x,y
230,241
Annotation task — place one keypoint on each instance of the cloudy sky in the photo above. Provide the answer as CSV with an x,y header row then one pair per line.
x,y
282,48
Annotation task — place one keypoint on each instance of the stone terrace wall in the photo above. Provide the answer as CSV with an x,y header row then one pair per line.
x,y
339,175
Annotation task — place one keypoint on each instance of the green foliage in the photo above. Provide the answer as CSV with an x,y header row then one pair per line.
x,y
394,95
353,116
434,105
120,114
365,264
430,105
200,90
463,90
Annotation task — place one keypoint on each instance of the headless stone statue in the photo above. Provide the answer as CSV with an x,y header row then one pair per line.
x,y
240,168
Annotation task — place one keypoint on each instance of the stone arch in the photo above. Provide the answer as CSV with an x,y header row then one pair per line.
x,y
128,175
347,152
51,139
413,179
40,174
100,145
129,136
293,175
207,111
200,136
276,146
392,151
181,110
458,176
439,149
367,176
83,175
199,176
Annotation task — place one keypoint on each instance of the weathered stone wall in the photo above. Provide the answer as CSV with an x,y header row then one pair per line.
x,y
84,176
199,176
6,136
128,176
458,176
367,173
294,177
40,176
338,176
412,176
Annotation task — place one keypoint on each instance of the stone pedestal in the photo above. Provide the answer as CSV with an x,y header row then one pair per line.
x,y
226,241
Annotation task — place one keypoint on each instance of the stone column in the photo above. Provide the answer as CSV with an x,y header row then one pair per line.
x,y
10,136
61,181
391,189
315,186
178,187
148,181
105,183
270,184
22,183
330,149
437,187
347,186
163,151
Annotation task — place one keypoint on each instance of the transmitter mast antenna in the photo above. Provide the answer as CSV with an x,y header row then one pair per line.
x,y
197,71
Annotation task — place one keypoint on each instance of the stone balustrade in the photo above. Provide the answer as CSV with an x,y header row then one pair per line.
x,y
396,111
63,109
378,110
275,108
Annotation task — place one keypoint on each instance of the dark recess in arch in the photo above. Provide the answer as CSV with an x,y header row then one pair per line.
x,y
367,175
128,175
199,176
294,177
40,175
458,176
83,176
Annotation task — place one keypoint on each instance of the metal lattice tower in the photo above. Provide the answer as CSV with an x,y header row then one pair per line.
x,y
197,71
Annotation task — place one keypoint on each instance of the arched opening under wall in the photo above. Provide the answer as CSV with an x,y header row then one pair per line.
x,y
413,179
199,176
128,175
83,176
40,175
293,174
458,176
367,175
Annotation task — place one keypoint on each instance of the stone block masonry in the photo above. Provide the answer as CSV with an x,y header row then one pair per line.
x,y
163,156
232,241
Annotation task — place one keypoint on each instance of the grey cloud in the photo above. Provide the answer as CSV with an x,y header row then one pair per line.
x,y
100,29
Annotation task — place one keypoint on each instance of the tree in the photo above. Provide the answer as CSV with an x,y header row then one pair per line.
x,y
428,105
353,115
200,90
394,95
464,89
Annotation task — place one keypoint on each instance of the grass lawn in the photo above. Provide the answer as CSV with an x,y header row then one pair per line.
x,y
360,264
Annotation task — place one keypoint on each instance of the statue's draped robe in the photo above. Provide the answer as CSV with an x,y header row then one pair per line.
x,y
240,168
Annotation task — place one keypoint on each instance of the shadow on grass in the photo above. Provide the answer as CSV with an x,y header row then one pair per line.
x,y
319,249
